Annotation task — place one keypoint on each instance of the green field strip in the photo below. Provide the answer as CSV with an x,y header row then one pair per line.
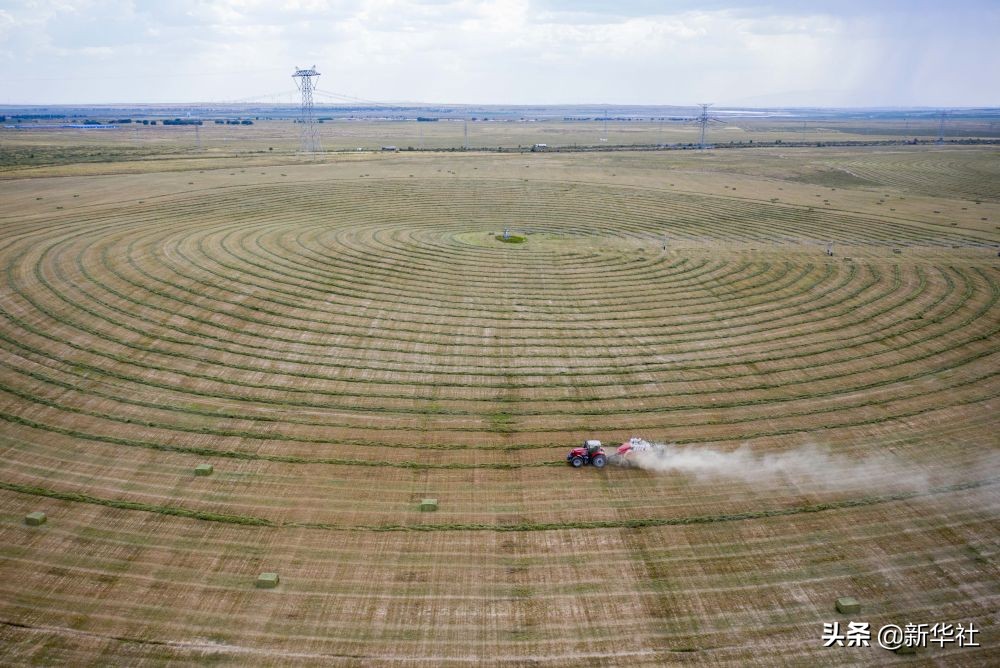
x,y
178,511
930,176
279,195
680,556
140,286
483,318
630,288
369,443
645,367
441,411
41,278
624,269
547,591
823,236
236,454
44,282
744,402
762,386
95,369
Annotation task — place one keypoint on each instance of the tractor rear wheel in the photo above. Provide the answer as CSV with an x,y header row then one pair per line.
x,y
599,461
577,462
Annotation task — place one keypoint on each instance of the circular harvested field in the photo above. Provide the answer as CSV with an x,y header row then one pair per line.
x,y
340,350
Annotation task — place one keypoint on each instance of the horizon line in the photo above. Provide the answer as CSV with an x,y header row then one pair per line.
x,y
361,103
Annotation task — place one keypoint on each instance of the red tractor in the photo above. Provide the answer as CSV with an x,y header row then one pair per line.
x,y
590,453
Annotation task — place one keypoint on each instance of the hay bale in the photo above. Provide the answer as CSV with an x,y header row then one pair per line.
x,y
847,605
429,505
204,469
35,519
267,580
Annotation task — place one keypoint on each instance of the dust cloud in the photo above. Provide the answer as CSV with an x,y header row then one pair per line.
x,y
810,466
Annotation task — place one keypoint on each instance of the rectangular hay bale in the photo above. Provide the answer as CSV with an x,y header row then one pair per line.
x,y
204,469
267,580
35,519
847,605
429,505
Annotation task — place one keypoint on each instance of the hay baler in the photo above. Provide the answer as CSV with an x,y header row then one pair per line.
x,y
628,450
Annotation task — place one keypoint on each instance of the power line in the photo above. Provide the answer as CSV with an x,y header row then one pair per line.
x,y
286,97
341,97
130,77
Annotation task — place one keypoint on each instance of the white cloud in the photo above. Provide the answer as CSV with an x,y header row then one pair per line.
x,y
505,51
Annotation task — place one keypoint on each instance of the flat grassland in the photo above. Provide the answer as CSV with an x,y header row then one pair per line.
x,y
276,141
344,336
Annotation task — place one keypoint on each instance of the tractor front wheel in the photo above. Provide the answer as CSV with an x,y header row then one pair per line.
x,y
577,462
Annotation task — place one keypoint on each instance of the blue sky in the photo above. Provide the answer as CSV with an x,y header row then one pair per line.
x,y
821,53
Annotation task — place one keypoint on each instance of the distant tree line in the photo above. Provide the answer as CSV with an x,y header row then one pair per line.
x,y
623,118
28,117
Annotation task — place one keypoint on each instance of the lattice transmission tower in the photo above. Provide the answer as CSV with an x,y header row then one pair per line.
x,y
944,115
304,79
703,120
